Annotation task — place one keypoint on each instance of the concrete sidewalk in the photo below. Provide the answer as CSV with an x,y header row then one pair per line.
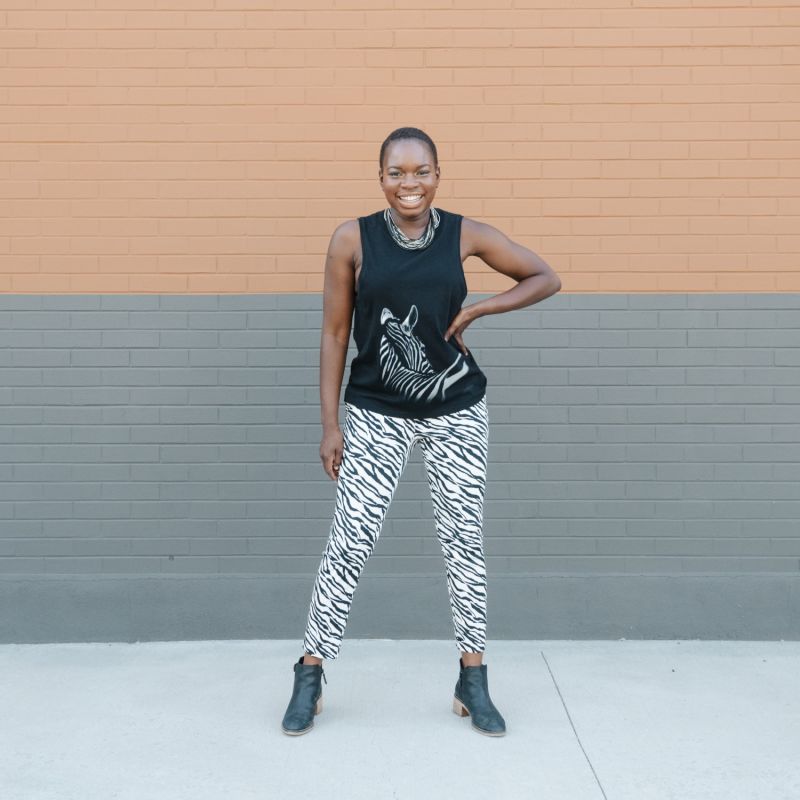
x,y
623,720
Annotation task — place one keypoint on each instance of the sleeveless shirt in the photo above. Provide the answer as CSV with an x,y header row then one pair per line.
x,y
405,301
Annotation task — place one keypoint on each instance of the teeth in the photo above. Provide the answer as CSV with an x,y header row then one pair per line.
x,y
410,197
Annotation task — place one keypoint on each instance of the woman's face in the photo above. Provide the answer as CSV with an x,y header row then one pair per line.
x,y
409,178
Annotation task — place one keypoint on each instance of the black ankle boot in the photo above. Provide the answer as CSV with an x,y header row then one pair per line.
x,y
472,699
306,698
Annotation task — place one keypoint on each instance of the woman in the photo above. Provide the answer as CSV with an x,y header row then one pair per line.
x,y
413,380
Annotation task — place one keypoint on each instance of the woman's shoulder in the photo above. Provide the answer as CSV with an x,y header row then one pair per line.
x,y
346,240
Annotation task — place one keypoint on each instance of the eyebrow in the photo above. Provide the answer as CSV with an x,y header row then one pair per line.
x,y
395,166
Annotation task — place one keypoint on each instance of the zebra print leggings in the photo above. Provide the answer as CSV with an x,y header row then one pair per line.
x,y
376,450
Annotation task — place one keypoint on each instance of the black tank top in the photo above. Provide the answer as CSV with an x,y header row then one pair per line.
x,y
405,301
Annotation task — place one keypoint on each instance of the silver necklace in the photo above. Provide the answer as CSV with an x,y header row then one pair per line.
x,y
403,240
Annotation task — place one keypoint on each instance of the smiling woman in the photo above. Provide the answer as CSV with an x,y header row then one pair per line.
x,y
409,174
397,274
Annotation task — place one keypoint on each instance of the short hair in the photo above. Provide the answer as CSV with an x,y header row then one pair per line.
x,y
408,133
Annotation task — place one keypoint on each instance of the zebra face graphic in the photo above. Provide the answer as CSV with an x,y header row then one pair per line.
x,y
404,365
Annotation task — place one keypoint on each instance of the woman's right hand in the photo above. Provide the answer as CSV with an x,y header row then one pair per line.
x,y
330,451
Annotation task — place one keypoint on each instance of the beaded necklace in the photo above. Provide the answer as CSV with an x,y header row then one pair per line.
x,y
405,241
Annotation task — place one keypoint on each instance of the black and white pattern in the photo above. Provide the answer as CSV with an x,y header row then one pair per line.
x,y
376,450
405,367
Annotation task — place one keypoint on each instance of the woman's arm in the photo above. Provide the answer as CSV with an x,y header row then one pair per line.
x,y
338,300
536,279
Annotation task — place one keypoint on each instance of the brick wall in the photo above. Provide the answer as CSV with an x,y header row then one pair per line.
x,y
169,181
630,437
214,150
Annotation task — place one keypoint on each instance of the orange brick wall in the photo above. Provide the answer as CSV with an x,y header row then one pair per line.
x,y
211,146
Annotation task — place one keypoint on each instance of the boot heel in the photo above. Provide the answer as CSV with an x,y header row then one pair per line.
x,y
459,708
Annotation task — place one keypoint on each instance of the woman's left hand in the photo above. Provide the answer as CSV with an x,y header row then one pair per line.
x,y
458,326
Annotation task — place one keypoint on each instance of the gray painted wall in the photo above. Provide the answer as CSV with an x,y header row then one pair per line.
x,y
160,476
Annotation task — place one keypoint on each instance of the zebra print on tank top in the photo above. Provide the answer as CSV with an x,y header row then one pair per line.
x,y
404,365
